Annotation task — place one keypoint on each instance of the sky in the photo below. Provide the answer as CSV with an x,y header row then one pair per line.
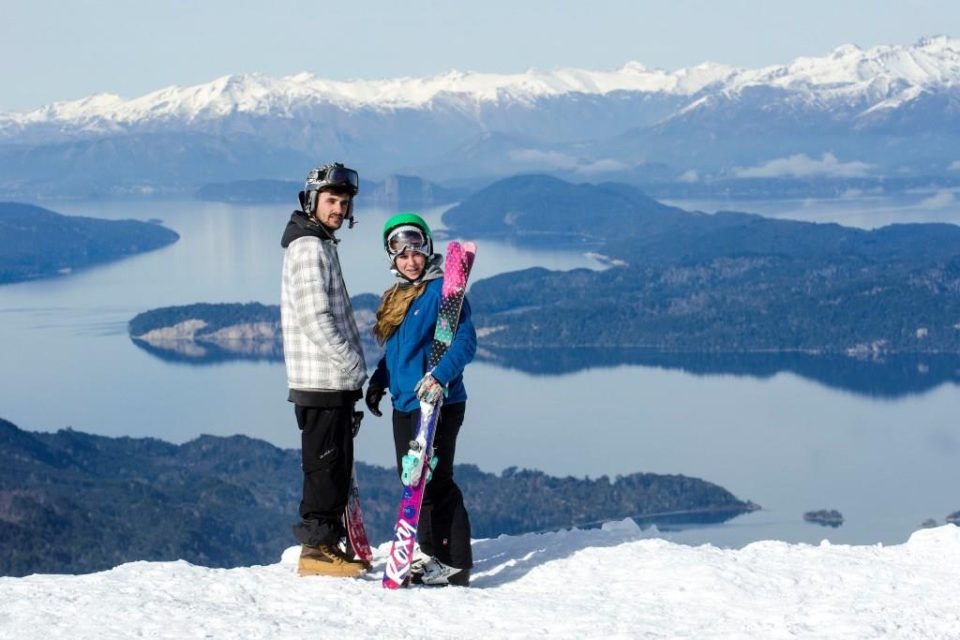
x,y
614,582
58,50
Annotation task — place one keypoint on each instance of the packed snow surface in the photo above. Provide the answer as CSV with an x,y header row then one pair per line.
x,y
614,582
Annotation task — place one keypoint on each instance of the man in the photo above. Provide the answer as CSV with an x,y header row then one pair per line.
x,y
325,364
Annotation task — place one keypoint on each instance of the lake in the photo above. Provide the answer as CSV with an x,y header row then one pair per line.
x,y
789,441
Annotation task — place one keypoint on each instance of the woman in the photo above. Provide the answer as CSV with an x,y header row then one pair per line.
x,y
405,325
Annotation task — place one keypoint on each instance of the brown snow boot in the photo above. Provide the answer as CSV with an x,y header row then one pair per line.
x,y
328,560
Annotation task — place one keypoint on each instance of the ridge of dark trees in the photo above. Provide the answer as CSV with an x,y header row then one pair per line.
x,y
72,502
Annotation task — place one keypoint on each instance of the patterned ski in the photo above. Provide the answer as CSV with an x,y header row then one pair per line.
x,y
459,262
353,517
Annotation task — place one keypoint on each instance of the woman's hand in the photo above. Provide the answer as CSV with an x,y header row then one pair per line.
x,y
429,390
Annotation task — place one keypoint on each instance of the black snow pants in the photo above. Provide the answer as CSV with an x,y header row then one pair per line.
x,y
326,435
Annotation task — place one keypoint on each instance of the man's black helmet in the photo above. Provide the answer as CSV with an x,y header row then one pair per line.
x,y
332,176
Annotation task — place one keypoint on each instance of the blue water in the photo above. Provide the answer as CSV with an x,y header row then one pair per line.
x,y
787,442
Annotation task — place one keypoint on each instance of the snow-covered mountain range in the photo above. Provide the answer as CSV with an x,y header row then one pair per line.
x,y
885,110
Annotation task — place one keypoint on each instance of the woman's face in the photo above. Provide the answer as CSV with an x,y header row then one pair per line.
x,y
411,264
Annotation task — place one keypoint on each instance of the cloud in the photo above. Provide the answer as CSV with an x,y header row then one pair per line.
x,y
940,199
601,166
557,160
551,159
690,176
803,166
954,166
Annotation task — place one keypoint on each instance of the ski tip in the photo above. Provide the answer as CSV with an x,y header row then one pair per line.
x,y
470,253
465,247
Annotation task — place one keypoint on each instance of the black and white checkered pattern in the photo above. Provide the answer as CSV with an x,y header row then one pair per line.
x,y
321,343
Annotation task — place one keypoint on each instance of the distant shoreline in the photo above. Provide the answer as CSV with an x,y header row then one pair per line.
x,y
37,243
203,334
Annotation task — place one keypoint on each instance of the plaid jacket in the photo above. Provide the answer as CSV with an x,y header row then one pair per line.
x,y
321,343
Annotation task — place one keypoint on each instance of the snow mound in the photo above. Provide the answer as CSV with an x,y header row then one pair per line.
x,y
617,581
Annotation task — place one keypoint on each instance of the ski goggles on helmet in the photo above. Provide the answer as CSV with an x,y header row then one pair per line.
x,y
333,175
408,237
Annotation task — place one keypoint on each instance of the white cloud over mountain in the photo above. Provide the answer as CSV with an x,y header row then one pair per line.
x,y
802,166
942,198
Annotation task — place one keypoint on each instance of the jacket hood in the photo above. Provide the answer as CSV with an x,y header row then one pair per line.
x,y
300,226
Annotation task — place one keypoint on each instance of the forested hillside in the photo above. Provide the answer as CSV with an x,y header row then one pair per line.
x,y
71,502
36,242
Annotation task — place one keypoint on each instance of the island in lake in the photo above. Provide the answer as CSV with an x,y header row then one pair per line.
x,y
876,312
825,517
39,243
688,282
728,282
72,502
205,333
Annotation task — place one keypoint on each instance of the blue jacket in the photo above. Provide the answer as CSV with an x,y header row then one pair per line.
x,y
407,353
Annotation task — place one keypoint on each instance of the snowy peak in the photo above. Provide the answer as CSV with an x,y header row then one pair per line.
x,y
878,73
259,94
848,81
601,121
932,61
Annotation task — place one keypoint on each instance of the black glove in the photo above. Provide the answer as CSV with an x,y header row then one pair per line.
x,y
374,396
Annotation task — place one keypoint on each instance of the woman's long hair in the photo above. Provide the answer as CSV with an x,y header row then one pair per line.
x,y
393,308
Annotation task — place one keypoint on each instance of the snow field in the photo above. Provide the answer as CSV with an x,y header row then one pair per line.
x,y
615,582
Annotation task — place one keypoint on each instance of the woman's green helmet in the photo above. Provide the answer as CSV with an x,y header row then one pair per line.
x,y
407,231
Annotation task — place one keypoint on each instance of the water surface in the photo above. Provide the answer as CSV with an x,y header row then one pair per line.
x,y
779,435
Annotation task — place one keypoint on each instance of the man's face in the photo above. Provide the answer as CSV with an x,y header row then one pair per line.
x,y
331,208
